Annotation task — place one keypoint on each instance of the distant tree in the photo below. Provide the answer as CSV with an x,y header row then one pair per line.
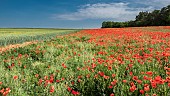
x,y
104,24
154,18
164,15
110,24
141,19
132,23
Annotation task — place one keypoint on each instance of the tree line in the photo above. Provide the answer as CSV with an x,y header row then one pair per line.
x,y
154,18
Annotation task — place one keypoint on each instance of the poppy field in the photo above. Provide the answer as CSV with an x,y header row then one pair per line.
x,y
93,62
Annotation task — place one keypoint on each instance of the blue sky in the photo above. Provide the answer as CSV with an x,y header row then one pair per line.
x,y
71,13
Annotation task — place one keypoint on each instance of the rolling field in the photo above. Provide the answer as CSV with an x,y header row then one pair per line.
x,y
94,62
15,36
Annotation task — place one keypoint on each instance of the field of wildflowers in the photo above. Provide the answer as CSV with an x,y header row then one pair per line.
x,y
96,62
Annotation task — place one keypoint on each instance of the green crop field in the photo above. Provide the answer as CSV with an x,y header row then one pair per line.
x,y
14,36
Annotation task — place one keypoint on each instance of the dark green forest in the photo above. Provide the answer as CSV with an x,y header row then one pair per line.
x,y
155,18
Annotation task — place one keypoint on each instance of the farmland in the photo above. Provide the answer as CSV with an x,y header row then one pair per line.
x,y
94,62
20,35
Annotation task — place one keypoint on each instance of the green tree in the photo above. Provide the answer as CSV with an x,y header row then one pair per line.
x,y
154,18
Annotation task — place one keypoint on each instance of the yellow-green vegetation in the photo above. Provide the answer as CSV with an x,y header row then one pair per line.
x,y
14,35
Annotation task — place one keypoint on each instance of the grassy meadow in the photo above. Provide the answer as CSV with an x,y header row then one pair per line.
x,y
94,62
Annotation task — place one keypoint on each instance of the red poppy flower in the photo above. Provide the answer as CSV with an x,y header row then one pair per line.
x,y
142,91
15,77
169,84
75,92
52,89
112,94
57,81
110,86
149,73
101,73
124,81
130,73
36,75
135,77
114,82
106,77
109,67
69,89
93,65
113,75
132,88
154,95
146,88
139,81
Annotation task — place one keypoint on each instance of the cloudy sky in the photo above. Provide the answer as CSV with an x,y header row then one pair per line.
x,y
72,13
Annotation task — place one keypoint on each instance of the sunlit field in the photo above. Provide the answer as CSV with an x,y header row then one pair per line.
x,y
20,35
96,62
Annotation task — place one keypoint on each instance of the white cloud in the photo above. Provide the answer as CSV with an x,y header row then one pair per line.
x,y
154,3
115,11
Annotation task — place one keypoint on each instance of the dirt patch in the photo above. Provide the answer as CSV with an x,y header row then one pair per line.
x,y
12,46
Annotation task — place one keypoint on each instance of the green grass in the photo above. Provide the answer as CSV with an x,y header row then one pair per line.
x,y
14,35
